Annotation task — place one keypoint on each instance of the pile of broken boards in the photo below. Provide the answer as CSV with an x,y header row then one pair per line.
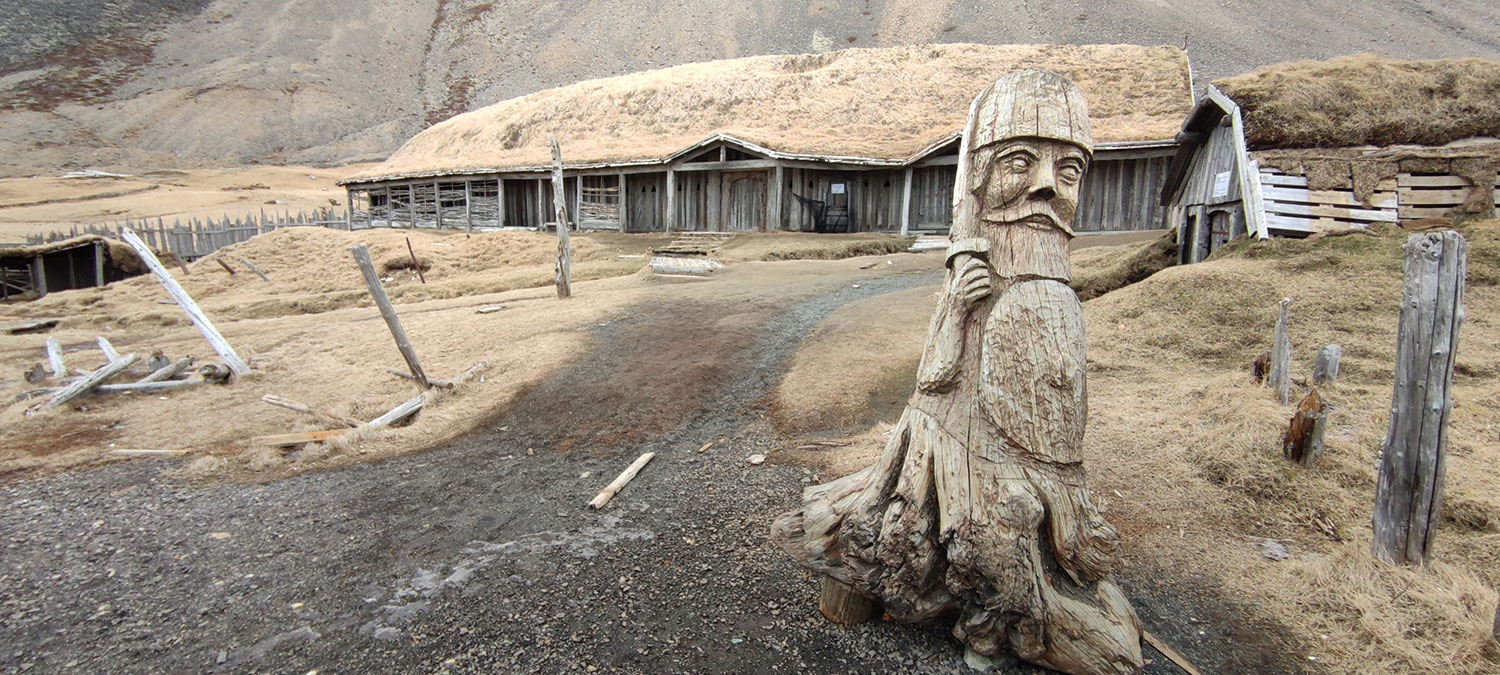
x,y
158,374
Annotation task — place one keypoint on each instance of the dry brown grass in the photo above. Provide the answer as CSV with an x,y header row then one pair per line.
x,y
1100,269
879,103
1184,450
1367,100
312,335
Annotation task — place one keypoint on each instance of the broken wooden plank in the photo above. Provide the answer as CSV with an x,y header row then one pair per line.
x,y
55,361
108,349
1172,654
361,255
705,447
185,301
297,438
168,371
94,379
489,310
620,482
304,409
225,265
28,326
251,266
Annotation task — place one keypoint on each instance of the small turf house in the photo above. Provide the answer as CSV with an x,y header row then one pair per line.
x,y
854,140
1298,148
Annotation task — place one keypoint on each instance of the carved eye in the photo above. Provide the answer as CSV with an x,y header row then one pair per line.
x,y
1017,162
1069,171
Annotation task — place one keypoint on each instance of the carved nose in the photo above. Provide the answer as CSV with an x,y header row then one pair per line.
x,y
1044,193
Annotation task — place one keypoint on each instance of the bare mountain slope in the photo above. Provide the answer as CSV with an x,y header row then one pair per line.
x,y
152,82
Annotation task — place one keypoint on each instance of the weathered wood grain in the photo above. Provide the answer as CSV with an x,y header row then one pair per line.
x,y
564,267
620,481
55,361
185,301
1326,368
1413,457
94,379
1303,442
361,255
1279,378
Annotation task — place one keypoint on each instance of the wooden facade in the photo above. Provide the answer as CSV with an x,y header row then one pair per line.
x,y
726,185
34,271
1212,191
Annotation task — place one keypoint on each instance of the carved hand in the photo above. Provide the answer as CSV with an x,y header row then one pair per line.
x,y
972,281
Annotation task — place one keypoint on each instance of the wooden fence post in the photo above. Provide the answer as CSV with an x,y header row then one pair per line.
x,y
1326,369
1280,377
1409,489
564,247
372,280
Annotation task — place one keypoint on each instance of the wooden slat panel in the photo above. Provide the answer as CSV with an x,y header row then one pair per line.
x,y
1267,178
1288,223
1409,180
1379,200
1340,212
1414,212
1433,197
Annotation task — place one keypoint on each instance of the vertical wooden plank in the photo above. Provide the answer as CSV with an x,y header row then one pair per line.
x,y
624,211
564,246
714,189
500,200
411,205
1280,377
671,215
775,219
99,252
39,276
183,300
468,205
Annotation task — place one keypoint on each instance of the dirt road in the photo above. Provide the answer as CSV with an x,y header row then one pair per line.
x,y
481,556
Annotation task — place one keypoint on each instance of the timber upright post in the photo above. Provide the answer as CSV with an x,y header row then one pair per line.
x,y
1409,489
1280,376
372,280
564,247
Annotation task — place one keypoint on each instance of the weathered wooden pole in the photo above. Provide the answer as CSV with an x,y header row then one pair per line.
x,y
1326,369
1280,376
372,280
564,247
185,301
1409,489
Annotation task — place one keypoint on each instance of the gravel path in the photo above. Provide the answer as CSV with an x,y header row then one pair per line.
x,y
475,557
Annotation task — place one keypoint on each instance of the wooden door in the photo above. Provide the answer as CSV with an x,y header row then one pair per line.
x,y
745,201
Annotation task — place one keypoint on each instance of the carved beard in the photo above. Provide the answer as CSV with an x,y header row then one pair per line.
x,y
1009,194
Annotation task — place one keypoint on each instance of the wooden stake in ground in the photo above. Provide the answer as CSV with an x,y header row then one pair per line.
x,y
619,482
251,266
185,301
1326,368
977,511
1409,488
1304,436
1279,378
225,265
564,248
109,350
414,264
372,280
55,361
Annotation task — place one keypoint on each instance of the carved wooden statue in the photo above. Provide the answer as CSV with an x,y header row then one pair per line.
x,y
977,511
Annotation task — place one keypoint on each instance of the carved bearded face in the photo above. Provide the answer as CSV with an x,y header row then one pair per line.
x,y
1030,180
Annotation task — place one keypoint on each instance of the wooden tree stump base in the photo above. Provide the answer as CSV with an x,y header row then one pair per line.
x,y
840,603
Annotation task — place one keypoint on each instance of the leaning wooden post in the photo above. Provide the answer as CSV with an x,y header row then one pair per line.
x,y
185,301
1280,377
564,247
387,312
1409,489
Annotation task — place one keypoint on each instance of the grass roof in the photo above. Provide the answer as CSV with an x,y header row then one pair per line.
x,y
874,103
1367,100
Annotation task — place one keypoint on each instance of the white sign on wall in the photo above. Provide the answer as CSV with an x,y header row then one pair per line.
x,y
1221,184
836,188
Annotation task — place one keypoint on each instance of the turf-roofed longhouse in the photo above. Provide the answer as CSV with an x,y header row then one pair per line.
x,y
846,141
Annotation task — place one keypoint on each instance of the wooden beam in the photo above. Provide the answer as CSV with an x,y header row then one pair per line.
x,y
906,204
109,350
564,268
298,407
468,204
298,438
99,253
94,379
1413,457
168,371
437,204
735,165
624,205
778,186
671,216
361,255
619,482
500,201
185,301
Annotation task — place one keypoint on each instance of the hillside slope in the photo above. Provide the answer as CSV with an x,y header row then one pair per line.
x,y
179,82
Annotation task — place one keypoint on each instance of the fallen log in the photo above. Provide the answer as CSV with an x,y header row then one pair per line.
x,y
619,482
94,379
298,407
168,371
185,301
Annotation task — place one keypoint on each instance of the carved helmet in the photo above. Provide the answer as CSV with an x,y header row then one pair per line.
x,y
1030,104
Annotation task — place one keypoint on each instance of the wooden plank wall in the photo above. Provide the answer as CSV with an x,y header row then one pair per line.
x,y
1122,195
874,200
932,197
600,203
1291,207
646,202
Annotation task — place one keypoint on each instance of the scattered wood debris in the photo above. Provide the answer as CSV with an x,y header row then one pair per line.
x,y
619,482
